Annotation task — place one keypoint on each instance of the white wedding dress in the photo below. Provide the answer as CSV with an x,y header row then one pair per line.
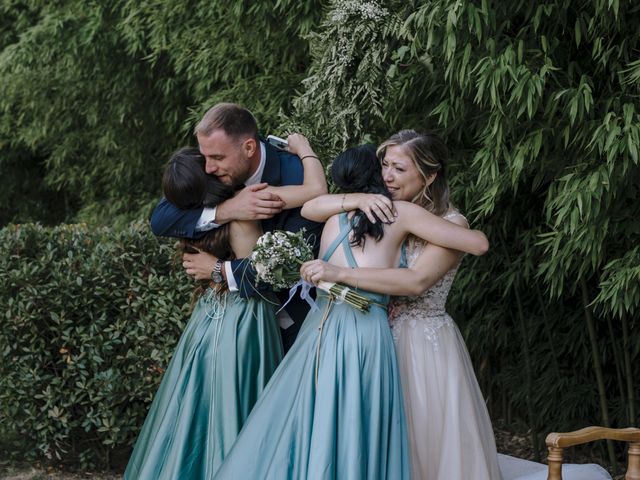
x,y
450,434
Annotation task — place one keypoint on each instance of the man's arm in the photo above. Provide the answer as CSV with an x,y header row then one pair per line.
x,y
167,220
251,203
200,265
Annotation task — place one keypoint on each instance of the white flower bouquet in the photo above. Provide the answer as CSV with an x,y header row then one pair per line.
x,y
277,257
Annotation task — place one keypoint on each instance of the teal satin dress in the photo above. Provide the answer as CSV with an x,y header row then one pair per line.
x,y
334,407
225,357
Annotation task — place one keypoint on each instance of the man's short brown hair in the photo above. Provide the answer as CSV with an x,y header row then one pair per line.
x,y
234,120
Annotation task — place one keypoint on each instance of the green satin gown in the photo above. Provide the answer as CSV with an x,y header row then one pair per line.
x,y
226,355
347,424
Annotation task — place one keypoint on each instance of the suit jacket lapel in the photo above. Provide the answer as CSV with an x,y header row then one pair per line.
x,y
271,173
272,176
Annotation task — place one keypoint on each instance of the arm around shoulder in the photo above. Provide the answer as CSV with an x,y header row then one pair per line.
x,y
314,182
453,234
375,206
167,220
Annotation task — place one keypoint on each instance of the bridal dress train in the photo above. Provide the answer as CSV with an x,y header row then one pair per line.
x,y
333,408
450,434
225,357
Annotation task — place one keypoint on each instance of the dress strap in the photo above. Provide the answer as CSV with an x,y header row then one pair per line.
x,y
346,246
404,261
342,235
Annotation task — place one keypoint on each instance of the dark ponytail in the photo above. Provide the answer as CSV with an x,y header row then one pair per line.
x,y
357,170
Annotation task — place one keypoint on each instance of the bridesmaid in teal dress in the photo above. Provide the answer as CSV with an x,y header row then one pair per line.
x,y
226,355
334,409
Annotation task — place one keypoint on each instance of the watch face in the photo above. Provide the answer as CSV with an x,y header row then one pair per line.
x,y
217,277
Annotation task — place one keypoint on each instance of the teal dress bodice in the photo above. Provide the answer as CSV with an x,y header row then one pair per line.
x,y
343,240
333,409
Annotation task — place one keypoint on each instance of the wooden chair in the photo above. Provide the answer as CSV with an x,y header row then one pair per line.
x,y
556,442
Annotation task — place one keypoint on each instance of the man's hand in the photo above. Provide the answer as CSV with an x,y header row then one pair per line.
x,y
251,203
199,265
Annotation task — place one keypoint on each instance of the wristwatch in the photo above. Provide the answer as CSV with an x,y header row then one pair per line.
x,y
216,275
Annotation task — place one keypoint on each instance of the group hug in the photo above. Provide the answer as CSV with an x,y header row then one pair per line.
x,y
316,389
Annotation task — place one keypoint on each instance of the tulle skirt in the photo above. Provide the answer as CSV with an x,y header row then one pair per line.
x,y
450,433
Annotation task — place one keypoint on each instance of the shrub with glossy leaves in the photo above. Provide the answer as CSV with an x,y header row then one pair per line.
x,y
90,318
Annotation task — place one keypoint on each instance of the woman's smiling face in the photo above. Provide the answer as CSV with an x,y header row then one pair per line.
x,y
400,174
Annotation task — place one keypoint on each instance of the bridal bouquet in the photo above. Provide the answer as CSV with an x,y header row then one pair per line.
x,y
277,257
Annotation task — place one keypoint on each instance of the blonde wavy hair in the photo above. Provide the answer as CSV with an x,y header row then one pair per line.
x,y
429,154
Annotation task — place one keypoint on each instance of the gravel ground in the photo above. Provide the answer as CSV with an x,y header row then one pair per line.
x,y
31,473
507,441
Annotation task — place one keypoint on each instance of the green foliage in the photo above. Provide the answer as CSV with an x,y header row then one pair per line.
x,y
90,318
344,91
101,92
538,102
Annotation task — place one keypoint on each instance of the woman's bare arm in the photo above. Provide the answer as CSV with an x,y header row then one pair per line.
x,y
431,265
321,208
314,182
434,229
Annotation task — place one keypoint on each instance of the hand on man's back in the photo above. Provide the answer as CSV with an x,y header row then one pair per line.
x,y
250,203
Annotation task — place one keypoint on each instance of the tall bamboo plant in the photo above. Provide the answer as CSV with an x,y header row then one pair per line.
x,y
539,104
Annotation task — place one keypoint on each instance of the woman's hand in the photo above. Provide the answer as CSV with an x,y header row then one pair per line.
x,y
299,145
316,271
374,203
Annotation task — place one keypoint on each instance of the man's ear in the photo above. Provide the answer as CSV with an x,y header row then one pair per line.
x,y
249,147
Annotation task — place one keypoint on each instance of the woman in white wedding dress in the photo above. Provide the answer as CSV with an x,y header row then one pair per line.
x,y
450,433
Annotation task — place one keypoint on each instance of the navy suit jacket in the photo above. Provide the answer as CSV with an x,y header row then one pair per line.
x,y
281,168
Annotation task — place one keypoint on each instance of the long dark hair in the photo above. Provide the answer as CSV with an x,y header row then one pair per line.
x,y
357,170
186,184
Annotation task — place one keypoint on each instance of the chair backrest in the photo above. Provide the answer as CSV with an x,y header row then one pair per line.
x,y
513,468
557,442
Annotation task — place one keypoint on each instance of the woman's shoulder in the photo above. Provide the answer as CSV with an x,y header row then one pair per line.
x,y
244,225
404,206
407,210
333,220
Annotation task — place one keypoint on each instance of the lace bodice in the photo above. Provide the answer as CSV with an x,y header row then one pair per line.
x,y
426,310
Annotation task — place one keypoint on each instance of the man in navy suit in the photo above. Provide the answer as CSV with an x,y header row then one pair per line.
x,y
228,139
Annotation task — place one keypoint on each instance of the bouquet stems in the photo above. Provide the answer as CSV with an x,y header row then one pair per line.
x,y
345,293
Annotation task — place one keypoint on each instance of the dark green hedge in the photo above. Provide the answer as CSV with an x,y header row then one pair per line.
x,y
90,320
